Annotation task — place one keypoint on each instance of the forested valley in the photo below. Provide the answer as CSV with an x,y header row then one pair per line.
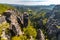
x,y
21,22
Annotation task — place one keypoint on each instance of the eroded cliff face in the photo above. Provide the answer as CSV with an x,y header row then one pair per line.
x,y
11,17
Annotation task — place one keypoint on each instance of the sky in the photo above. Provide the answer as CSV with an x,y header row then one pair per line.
x,y
31,2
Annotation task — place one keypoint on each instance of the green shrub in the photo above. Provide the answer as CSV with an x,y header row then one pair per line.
x,y
3,25
30,31
21,37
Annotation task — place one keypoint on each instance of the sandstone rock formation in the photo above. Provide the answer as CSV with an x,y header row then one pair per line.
x,y
15,22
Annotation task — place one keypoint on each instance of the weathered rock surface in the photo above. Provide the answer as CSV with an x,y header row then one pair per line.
x,y
40,35
11,17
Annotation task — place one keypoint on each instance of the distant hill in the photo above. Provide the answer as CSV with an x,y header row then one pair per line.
x,y
37,7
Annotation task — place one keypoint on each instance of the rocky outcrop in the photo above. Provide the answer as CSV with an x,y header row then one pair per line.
x,y
40,35
15,21
25,19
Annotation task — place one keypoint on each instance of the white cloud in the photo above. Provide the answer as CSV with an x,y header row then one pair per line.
x,y
54,1
32,0
46,2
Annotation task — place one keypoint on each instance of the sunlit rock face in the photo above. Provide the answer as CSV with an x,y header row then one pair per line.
x,y
11,18
15,22
14,25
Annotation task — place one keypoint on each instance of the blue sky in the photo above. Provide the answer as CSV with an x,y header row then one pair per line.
x,y
31,2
